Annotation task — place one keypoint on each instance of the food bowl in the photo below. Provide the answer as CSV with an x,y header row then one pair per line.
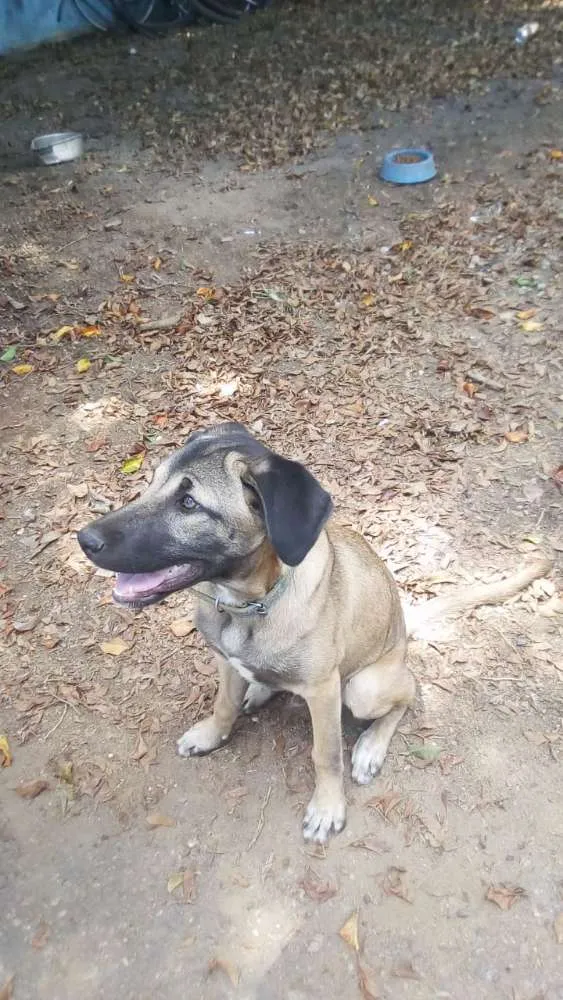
x,y
408,166
58,147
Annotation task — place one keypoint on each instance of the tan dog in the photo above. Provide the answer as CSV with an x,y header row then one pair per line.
x,y
285,603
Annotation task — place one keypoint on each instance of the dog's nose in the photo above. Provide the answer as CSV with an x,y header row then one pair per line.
x,y
90,541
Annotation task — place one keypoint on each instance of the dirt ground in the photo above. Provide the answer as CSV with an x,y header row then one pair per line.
x,y
214,259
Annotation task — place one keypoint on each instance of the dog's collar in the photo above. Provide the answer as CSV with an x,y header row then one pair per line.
x,y
249,608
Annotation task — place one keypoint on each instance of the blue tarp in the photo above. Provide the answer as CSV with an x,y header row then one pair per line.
x,y
29,22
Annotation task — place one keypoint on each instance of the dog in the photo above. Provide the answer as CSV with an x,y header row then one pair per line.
x,y
285,602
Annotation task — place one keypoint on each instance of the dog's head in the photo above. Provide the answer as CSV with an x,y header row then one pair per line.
x,y
209,507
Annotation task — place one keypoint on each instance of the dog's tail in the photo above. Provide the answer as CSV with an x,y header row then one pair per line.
x,y
467,598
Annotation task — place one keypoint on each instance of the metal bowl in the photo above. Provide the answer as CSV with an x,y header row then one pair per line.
x,y
408,166
58,147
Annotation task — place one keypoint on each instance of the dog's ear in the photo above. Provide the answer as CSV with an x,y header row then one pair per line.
x,y
295,505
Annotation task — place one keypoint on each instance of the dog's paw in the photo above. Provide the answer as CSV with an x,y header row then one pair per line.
x,y
323,818
367,758
200,739
256,695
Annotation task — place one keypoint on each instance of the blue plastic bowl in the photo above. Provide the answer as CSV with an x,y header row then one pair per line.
x,y
408,173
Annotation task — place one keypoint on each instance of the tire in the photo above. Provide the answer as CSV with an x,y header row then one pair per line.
x,y
153,17
225,12
102,19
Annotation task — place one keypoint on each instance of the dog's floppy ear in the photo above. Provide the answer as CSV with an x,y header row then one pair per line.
x,y
295,505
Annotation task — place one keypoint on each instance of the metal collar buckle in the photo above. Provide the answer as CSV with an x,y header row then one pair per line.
x,y
251,606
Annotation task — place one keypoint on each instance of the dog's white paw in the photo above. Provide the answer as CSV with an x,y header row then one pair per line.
x,y
367,758
324,817
256,695
201,738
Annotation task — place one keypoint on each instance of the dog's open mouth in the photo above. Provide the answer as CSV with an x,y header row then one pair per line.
x,y
139,589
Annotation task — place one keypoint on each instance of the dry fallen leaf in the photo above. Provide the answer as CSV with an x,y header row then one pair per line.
x,y
5,752
64,770
133,464
425,752
558,928
367,984
393,884
314,887
229,968
469,389
115,647
483,411
206,293
158,819
82,365
504,896
370,843
189,886
449,761
95,444
556,154
22,369
89,331
385,804
140,750
6,991
368,300
372,201
41,936
31,789
349,932
538,739
63,331
175,881
531,326
517,436
526,313
484,313
181,627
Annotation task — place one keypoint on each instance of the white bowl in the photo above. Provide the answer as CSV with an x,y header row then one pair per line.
x,y
58,147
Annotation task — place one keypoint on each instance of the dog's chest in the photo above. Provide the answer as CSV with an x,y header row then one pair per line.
x,y
246,649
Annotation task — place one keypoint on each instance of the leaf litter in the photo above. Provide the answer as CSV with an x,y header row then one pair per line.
x,y
186,881
155,820
5,752
317,888
308,393
504,896
31,789
349,932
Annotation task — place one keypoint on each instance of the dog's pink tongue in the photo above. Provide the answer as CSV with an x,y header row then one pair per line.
x,y
129,586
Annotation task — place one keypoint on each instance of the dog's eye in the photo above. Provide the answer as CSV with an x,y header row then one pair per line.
x,y
188,502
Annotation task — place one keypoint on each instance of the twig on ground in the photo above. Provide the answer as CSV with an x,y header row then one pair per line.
x,y
482,379
160,324
57,724
260,826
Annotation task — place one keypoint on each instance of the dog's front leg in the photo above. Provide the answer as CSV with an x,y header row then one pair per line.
x,y
326,812
213,732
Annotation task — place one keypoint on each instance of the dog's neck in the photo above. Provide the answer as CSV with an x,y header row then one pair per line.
x,y
254,580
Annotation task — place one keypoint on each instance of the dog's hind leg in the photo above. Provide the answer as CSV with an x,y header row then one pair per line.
x,y
382,691
213,732
257,694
